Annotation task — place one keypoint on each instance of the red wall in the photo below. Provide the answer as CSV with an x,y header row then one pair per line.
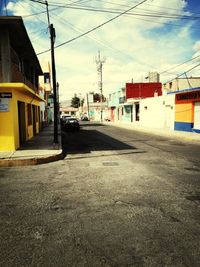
x,y
137,90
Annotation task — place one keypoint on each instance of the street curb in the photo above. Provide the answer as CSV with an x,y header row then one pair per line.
x,y
30,161
172,134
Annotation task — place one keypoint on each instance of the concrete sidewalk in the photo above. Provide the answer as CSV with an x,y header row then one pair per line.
x,y
187,136
38,150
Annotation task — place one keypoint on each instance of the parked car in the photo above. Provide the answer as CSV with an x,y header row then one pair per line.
x,y
63,118
71,124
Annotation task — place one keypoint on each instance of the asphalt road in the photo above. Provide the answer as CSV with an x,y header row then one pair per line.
x,y
119,198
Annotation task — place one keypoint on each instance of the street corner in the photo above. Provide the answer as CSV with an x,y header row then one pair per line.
x,y
35,160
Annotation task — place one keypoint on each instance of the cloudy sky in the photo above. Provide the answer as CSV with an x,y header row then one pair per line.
x,y
134,38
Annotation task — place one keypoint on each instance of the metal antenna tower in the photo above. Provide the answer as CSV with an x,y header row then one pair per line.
x,y
99,63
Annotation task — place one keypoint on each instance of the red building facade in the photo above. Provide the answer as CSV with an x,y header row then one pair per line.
x,y
143,90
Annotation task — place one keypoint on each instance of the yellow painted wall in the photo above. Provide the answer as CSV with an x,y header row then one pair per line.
x,y
7,131
28,100
184,112
9,124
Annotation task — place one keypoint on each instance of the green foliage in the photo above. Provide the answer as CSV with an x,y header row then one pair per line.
x,y
97,98
75,102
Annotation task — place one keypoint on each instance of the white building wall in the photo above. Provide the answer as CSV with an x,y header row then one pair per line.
x,y
158,112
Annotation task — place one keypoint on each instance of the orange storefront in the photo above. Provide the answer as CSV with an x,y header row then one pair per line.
x,y
187,111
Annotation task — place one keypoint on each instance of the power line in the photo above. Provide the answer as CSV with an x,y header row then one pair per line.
x,y
180,64
152,13
117,11
183,73
128,14
111,20
38,13
97,27
105,44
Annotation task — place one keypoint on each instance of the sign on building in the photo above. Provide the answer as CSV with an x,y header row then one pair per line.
x,y
4,104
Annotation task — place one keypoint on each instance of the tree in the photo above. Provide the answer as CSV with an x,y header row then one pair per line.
x,y
82,102
97,98
75,102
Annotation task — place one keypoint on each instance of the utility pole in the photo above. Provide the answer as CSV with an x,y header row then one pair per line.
x,y
53,69
52,37
99,63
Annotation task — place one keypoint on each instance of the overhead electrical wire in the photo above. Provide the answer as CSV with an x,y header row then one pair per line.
x,y
154,14
146,4
107,10
126,13
155,22
41,12
95,28
183,73
105,44
180,64
122,52
19,3
151,66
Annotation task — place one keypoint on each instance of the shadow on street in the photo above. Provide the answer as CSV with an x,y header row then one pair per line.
x,y
88,140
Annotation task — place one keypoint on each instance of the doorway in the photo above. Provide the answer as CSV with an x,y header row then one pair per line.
x,y
22,122
137,111
34,119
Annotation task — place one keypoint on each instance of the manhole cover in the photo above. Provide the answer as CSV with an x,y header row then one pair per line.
x,y
110,163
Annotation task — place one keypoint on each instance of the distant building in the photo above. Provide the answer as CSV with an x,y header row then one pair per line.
x,y
93,107
187,109
154,77
45,90
116,102
124,104
179,84
71,111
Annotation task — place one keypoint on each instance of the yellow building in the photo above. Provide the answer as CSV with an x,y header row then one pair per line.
x,y
19,95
